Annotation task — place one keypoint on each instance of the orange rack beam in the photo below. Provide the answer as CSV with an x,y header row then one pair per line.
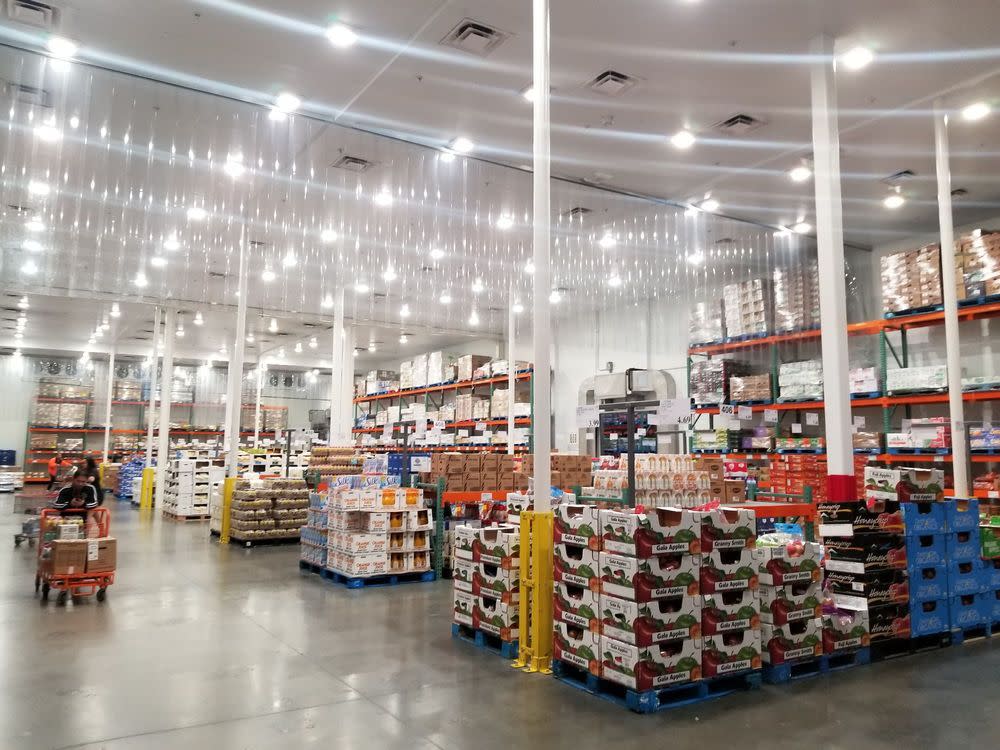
x,y
778,510
442,387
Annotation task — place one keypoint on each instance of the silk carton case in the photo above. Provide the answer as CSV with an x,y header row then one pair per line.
x,y
646,623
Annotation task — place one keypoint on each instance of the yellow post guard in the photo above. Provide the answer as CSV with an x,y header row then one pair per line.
x,y
227,504
535,611
146,490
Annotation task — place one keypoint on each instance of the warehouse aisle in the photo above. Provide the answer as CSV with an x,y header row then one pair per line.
x,y
201,647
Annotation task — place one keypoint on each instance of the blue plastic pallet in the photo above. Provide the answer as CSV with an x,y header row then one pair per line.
x,y
485,641
975,633
914,311
869,394
985,451
894,647
919,451
799,669
393,579
746,337
763,402
661,699
866,451
803,451
983,299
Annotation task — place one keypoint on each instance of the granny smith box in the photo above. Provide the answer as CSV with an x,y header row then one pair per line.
x,y
498,545
648,667
646,623
780,605
577,565
727,528
492,615
728,570
577,524
778,566
577,646
576,605
645,579
463,605
462,572
730,610
659,531
727,653
492,580
801,639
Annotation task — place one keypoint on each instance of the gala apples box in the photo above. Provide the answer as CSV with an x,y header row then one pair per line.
x,y
659,531
780,605
801,639
577,524
728,653
576,605
577,646
650,667
728,570
730,610
655,621
646,579
576,565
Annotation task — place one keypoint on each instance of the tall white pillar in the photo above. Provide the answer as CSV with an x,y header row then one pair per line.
x,y
347,388
235,381
956,407
166,383
337,370
832,290
542,411
511,369
256,403
154,357
107,406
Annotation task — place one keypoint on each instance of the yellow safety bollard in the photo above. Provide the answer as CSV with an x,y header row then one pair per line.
x,y
535,609
227,504
146,489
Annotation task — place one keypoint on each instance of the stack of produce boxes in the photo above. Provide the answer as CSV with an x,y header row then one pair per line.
x,y
496,581
971,581
648,628
791,601
731,606
927,559
576,593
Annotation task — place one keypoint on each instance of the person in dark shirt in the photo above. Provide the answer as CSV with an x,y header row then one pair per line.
x,y
94,479
77,496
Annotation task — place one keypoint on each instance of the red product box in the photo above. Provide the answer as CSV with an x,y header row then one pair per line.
x,y
645,579
780,605
801,639
728,528
577,524
730,610
576,605
648,667
659,531
729,653
646,623
797,562
728,570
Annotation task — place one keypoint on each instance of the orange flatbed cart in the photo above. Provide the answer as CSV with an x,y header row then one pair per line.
x,y
71,584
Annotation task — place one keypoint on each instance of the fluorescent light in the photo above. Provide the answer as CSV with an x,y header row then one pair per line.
x,y
857,58
389,274
474,318
34,225
171,243
250,338
328,235
782,231
383,198
608,241
23,304
803,227
447,157
800,174
157,261
234,166
528,93
976,111
341,36
36,187
313,343
691,211
289,261
529,267
355,353
404,311
437,253
18,336
287,102
179,332
267,275
196,213
74,122
362,288
17,354
141,280
517,308
276,115
615,281
445,298
48,133
682,139
298,347
403,339
893,201
504,222
273,325
462,145
198,319
711,205
62,47
32,246
281,353
555,297
115,310
327,302
696,258
371,347
477,286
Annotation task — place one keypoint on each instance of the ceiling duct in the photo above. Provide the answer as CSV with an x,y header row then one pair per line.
x,y
577,211
612,83
898,178
738,125
32,13
474,37
353,164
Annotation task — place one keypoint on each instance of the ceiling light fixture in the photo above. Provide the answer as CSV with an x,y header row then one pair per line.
x,y
276,115
313,343
696,258
614,281
437,253
29,268
803,227
327,302
683,139
976,111
196,213
328,235
34,224
287,102
403,339
115,310
198,319
446,157
355,353
267,275
800,173
529,267
555,297
445,298
362,288
404,311
32,246
517,308
608,241
710,204
36,187
389,274
273,325
234,166
23,304
298,347
504,222
894,200
289,261
74,122
857,58
17,354
341,36
477,286
61,47
141,280
371,347
383,198
474,318
171,243
157,261
48,133
250,338
462,145
528,93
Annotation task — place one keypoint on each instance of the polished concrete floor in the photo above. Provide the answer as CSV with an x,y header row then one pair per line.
x,y
199,646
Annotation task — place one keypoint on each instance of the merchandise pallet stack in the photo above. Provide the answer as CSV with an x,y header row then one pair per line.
x,y
187,487
313,536
487,587
268,511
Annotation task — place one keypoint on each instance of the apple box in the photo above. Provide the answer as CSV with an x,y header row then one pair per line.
x,y
728,570
727,528
464,603
465,537
646,623
576,524
727,653
906,485
492,616
654,578
845,519
928,582
577,646
649,667
462,572
801,639
970,611
929,616
576,605
845,630
924,518
492,580
796,562
576,565
499,545
866,554
860,590
659,531
962,515
993,598
889,621
925,549
729,610
968,577
780,605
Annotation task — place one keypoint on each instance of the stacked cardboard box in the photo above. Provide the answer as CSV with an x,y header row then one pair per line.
x,y
418,371
910,379
929,433
381,381
473,472
467,364
791,592
911,279
800,381
864,380
796,297
186,492
568,471
977,264
746,388
710,378
496,553
268,509
332,461
706,323
747,308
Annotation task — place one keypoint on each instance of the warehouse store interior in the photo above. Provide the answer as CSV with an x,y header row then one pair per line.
x,y
303,304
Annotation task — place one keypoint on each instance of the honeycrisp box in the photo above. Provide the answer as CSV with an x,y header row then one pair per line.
x,y
654,578
648,667
659,531
646,623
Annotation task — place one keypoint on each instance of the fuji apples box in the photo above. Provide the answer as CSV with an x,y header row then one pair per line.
x,y
904,485
657,531
648,667
845,629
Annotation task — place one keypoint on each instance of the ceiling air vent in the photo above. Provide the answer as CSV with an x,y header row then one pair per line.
x,y
738,124
612,83
32,13
474,37
577,211
31,95
899,178
259,243
353,164
18,208
959,193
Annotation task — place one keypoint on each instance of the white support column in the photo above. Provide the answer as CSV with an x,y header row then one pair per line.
x,y
256,408
832,292
347,388
541,324
511,369
166,382
337,372
956,407
235,382
107,406
151,415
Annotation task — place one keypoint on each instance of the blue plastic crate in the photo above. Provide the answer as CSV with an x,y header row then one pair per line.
x,y
969,577
924,518
963,546
929,617
929,582
993,597
962,515
992,568
925,549
969,611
